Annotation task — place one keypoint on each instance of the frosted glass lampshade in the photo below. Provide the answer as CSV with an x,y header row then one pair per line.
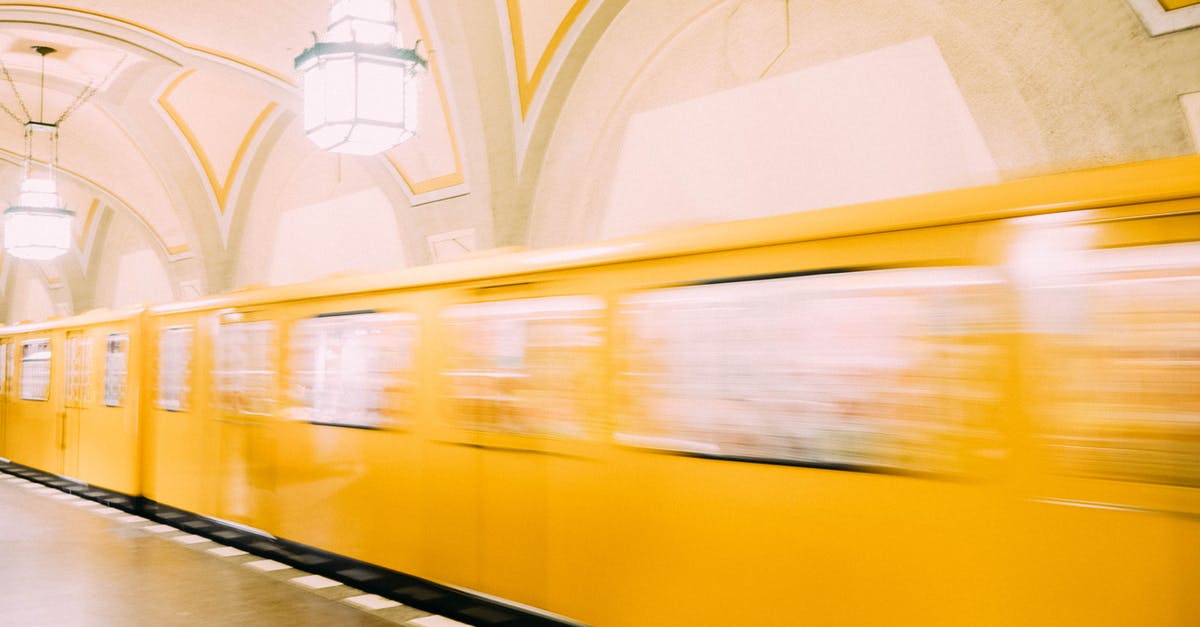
x,y
362,21
360,92
38,227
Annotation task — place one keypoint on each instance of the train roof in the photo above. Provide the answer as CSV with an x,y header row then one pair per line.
x,y
95,316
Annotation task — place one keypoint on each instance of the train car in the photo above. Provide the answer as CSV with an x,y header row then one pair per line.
x,y
72,397
979,406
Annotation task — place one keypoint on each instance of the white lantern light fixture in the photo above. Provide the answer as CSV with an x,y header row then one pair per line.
x,y
38,226
360,92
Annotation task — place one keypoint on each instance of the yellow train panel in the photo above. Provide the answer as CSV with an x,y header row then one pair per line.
x,y
970,407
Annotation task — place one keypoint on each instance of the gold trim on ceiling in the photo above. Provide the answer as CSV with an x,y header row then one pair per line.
x,y
220,189
428,185
157,33
446,180
96,33
417,187
87,223
527,85
1171,5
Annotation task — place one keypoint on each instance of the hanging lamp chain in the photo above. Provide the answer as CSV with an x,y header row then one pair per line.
x,y
91,89
9,79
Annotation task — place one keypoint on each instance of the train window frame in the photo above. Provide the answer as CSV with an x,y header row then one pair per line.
x,y
1117,417
27,359
580,422
307,403
229,384
181,382
634,428
114,391
78,373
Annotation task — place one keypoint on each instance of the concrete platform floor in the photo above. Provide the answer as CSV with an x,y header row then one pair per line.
x,y
68,561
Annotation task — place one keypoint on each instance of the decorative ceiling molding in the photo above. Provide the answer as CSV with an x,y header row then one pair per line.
x,y
529,88
1167,16
527,82
220,189
88,216
449,182
174,41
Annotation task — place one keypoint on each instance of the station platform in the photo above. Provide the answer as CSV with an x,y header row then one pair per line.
x,y
69,560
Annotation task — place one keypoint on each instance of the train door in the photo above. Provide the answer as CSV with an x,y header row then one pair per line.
x,y
4,371
178,466
107,425
243,379
520,375
35,430
77,396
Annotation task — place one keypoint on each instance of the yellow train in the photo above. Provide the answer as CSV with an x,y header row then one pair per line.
x,y
973,407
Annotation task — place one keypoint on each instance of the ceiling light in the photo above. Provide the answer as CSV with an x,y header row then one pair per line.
x,y
360,88
38,226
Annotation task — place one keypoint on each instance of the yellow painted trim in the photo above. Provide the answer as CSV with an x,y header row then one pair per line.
x,y
436,70
428,185
142,218
255,127
446,180
1171,5
220,188
517,31
157,33
527,85
87,223
188,135
178,250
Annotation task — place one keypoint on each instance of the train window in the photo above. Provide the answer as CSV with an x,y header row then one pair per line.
x,y
116,368
1124,368
524,366
79,369
244,373
174,368
35,370
352,369
882,370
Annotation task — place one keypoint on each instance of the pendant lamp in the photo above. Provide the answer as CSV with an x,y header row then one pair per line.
x,y
360,85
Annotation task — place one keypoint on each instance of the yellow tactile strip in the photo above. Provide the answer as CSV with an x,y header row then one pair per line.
x,y
386,609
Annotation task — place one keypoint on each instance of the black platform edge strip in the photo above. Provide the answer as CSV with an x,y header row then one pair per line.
x,y
815,465
412,591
